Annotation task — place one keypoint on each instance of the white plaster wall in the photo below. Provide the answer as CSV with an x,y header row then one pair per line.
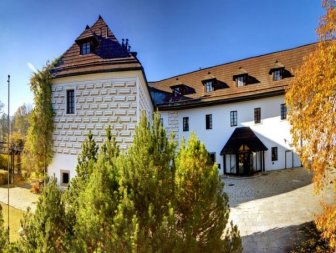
x,y
272,131
145,103
62,162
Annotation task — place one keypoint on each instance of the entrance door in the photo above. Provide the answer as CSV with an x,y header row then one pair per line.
x,y
244,163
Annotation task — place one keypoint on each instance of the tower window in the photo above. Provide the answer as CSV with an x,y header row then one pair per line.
x,y
65,177
70,101
85,48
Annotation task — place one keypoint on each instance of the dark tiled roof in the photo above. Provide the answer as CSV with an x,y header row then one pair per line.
x,y
260,80
240,136
108,54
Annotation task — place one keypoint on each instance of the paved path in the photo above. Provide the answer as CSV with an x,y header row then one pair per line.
x,y
20,197
269,209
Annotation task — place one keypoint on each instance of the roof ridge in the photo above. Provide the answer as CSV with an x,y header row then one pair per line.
x,y
234,61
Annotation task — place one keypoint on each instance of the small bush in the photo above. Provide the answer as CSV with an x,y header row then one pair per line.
x,y
36,187
3,177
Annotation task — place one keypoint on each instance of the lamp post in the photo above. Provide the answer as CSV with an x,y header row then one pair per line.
x,y
8,160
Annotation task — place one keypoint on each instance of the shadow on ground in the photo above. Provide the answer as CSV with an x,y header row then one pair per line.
x,y
241,190
275,240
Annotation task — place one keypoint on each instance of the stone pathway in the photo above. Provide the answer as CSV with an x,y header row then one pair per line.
x,y
269,209
20,197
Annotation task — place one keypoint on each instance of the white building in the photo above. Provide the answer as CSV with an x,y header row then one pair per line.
x,y
237,109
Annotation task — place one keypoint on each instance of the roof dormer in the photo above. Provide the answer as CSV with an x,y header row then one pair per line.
x,y
240,77
209,82
178,90
278,71
87,41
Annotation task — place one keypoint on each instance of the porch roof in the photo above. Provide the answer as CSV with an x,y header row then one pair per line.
x,y
240,136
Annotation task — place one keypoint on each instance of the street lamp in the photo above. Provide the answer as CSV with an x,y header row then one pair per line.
x,y
8,160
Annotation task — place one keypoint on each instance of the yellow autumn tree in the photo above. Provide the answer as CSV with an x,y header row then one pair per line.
x,y
311,99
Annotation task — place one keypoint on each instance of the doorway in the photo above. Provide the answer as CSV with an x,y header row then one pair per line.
x,y
244,163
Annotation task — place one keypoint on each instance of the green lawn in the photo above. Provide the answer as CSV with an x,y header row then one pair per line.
x,y
15,215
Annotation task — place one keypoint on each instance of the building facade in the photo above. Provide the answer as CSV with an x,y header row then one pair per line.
x,y
97,83
237,109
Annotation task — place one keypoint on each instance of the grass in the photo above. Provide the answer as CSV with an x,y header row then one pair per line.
x,y
15,215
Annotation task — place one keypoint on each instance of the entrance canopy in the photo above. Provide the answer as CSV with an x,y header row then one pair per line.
x,y
243,136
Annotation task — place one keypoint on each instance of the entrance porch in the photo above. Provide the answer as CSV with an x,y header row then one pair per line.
x,y
244,153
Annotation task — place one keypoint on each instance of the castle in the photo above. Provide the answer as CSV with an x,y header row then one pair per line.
x,y
237,109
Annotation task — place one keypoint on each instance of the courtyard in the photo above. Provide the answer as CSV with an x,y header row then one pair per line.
x,y
270,209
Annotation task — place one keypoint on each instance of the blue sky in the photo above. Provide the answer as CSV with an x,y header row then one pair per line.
x,y
171,37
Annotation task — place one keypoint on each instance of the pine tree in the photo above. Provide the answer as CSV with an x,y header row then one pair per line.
x,y
147,175
85,167
201,204
97,203
47,230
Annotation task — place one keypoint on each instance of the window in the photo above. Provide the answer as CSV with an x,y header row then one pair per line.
x,y
185,124
65,178
85,48
70,102
277,74
274,153
233,118
212,157
283,111
208,121
209,86
241,80
177,91
257,115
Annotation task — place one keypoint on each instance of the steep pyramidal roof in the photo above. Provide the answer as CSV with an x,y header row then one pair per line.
x,y
107,54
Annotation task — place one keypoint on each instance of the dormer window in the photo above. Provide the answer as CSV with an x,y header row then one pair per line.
x,y
240,77
277,71
240,80
209,86
277,74
177,91
85,48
